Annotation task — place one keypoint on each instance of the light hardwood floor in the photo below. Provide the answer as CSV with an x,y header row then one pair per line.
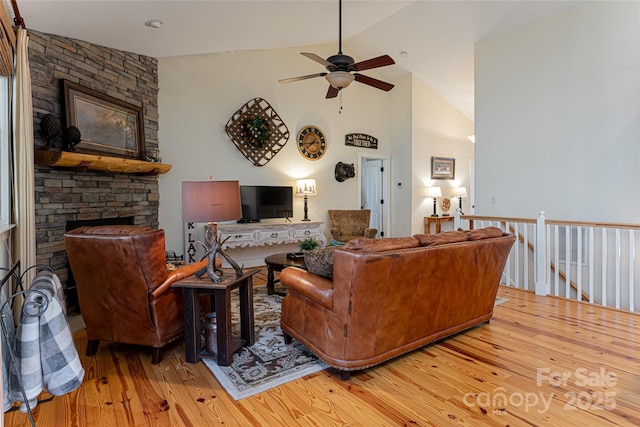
x,y
542,361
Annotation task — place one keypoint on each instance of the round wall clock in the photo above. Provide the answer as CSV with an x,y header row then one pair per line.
x,y
311,142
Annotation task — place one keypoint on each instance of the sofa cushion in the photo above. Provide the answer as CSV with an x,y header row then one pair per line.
x,y
381,245
441,238
320,261
484,233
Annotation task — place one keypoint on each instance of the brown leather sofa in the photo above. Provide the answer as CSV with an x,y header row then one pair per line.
x,y
124,289
391,296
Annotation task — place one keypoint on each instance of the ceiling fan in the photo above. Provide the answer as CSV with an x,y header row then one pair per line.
x,y
342,69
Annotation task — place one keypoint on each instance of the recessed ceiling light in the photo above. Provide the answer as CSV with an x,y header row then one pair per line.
x,y
153,23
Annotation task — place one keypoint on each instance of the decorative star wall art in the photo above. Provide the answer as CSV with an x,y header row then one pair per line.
x,y
257,131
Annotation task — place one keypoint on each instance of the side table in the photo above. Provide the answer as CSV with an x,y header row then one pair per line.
x,y
278,262
192,287
437,220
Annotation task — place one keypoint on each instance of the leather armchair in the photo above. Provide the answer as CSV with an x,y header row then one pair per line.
x,y
350,224
124,288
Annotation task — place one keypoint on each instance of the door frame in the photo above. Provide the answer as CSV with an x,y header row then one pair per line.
x,y
472,186
386,187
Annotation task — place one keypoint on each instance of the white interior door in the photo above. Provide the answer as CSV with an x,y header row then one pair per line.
x,y
372,191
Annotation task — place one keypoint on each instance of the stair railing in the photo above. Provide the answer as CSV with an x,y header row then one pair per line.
x,y
585,261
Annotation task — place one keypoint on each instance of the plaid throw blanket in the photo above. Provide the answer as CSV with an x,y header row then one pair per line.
x,y
10,328
45,352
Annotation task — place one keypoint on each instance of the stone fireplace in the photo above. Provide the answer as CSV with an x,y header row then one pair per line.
x,y
68,199
66,195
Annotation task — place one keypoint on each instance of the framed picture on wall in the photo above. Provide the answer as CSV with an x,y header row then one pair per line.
x,y
108,125
443,168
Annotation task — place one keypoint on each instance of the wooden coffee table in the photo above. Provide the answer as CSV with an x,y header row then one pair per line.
x,y
278,262
192,287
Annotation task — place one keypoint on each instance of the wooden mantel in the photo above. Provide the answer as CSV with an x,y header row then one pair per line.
x,y
82,162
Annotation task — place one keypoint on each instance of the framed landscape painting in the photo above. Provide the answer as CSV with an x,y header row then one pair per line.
x,y
443,168
108,125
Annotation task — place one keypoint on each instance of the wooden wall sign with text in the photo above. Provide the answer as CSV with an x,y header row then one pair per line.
x,y
361,140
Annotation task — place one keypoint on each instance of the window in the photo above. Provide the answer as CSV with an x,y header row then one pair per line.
x,y
5,151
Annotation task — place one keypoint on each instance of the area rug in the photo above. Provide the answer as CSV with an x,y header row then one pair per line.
x,y
269,362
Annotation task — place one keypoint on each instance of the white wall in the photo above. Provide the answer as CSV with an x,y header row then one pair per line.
x,y
438,130
558,117
198,94
400,187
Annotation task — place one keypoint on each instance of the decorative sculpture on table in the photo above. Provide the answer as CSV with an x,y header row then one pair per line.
x,y
257,131
445,205
212,201
212,248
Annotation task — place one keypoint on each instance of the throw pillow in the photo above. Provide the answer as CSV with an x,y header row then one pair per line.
x,y
320,261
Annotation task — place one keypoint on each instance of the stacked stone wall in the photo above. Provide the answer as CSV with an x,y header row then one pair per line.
x,y
69,195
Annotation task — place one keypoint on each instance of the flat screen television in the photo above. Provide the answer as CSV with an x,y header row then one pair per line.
x,y
264,201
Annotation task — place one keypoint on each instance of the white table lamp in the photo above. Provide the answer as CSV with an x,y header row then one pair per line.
x,y
460,192
434,192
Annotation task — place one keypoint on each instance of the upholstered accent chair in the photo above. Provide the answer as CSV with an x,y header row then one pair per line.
x,y
124,288
350,224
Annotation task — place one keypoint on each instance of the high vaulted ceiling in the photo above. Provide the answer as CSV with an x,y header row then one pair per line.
x,y
432,39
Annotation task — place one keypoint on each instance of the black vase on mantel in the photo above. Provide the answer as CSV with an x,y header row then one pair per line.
x,y
50,128
73,138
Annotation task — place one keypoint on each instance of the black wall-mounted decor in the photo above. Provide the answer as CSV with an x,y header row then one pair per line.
x,y
344,171
361,140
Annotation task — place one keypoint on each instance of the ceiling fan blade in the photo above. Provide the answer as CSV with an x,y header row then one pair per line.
x,y
380,61
379,84
316,58
297,79
332,92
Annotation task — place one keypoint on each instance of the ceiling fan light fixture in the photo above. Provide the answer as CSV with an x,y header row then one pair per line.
x,y
340,79
341,66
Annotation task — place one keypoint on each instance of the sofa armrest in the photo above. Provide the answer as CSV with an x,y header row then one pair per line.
x,y
370,232
179,274
316,288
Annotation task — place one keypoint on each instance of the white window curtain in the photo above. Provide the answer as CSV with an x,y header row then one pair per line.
x,y
23,180
6,165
